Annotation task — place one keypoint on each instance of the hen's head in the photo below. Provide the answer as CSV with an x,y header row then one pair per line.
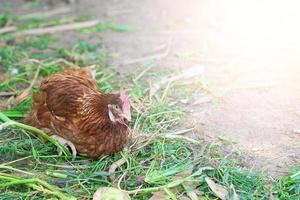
x,y
120,111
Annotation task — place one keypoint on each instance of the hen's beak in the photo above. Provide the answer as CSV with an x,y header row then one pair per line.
x,y
127,116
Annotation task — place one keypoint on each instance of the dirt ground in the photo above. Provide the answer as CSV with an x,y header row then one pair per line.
x,y
250,107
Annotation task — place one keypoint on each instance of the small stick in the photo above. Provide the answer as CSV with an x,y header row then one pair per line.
x,y
60,60
25,93
5,94
114,166
179,132
8,29
60,28
120,180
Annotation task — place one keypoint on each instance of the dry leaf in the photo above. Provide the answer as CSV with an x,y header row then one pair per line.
x,y
109,193
161,195
190,190
189,186
219,190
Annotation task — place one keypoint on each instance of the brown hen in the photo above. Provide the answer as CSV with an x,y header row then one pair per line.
x,y
74,110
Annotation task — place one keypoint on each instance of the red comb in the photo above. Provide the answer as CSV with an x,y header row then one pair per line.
x,y
125,100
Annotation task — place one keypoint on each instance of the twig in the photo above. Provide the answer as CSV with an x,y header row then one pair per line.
x,y
45,14
114,166
60,28
180,132
8,29
120,180
5,94
25,93
60,60
35,76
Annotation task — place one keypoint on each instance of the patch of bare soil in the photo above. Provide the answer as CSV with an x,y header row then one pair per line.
x,y
261,123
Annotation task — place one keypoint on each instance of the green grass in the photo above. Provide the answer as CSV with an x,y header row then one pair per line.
x,y
31,169
3,20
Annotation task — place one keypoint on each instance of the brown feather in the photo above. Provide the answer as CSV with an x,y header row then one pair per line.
x,y
71,105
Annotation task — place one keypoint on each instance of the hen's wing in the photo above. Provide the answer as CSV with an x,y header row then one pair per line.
x,y
65,92
56,106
